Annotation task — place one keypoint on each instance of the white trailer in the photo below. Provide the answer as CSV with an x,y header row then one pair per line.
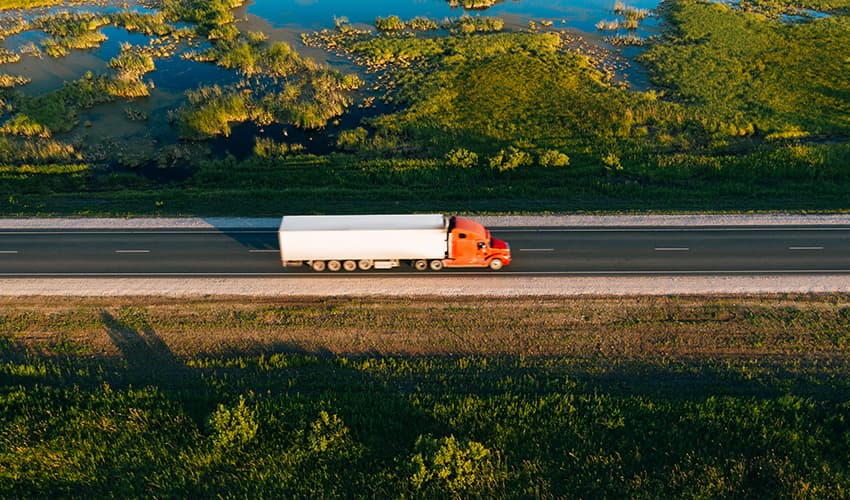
x,y
362,241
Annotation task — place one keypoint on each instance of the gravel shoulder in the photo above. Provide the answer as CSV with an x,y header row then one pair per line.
x,y
684,220
445,287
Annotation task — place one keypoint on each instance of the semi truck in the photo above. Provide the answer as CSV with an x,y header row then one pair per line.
x,y
423,241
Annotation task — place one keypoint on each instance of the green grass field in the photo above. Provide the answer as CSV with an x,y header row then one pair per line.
x,y
637,397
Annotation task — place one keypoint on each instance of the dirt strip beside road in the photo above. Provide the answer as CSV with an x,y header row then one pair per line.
x,y
448,287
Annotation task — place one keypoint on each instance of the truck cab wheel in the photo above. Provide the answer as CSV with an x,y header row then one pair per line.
x,y
334,266
420,265
318,265
496,264
436,265
365,264
349,265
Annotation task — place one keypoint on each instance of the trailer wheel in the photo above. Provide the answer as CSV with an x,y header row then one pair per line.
x,y
365,264
349,265
496,264
420,265
334,266
436,265
318,265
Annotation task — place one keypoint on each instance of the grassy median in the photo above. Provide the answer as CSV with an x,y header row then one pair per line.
x,y
697,396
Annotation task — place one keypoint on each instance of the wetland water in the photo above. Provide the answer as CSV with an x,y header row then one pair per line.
x,y
281,20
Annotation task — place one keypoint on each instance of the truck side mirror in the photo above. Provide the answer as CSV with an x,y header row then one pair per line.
x,y
481,245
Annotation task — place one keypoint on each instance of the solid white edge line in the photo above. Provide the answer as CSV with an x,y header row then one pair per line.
x,y
536,249
263,251
672,249
8,251
805,248
132,251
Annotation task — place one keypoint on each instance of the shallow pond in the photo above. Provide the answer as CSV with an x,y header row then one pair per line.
x,y
318,14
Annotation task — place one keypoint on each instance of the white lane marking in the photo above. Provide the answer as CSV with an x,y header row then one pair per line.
x,y
536,249
805,248
8,251
132,251
672,249
264,251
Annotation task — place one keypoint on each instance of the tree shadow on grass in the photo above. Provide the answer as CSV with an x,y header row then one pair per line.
x,y
140,346
149,361
310,376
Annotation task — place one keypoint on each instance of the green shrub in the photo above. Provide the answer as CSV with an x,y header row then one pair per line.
x,y
269,148
210,111
422,24
510,159
611,162
454,468
461,158
280,60
353,139
327,433
35,150
468,24
126,88
146,23
240,55
256,38
391,23
213,17
131,63
7,81
233,426
23,125
554,158
7,56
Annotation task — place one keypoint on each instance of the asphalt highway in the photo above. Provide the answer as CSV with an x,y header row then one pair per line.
x,y
546,251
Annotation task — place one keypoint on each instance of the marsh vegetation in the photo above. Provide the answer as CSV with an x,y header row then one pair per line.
x,y
462,114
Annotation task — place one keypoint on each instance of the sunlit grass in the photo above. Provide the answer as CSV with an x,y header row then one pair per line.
x,y
506,398
743,70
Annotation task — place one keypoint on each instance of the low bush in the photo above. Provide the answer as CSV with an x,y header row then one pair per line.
x,y
233,426
391,23
553,158
461,158
353,139
510,159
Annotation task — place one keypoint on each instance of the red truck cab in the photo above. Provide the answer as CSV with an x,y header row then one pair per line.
x,y
471,245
